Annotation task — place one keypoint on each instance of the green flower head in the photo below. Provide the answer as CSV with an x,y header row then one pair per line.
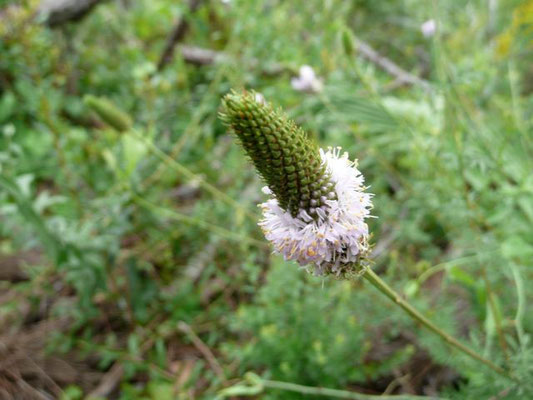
x,y
288,161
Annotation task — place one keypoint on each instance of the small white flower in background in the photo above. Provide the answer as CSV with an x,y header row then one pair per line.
x,y
339,234
9,130
428,28
306,81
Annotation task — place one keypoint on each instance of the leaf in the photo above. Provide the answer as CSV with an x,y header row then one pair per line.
x,y
240,390
362,110
7,106
526,205
160,391
460,275
251,386
50,242
517,248
490,325
24,184
411,288
133,151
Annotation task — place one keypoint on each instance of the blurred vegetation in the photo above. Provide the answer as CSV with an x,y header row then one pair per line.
x,y
131,265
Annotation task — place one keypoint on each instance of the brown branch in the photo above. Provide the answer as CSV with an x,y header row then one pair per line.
x,y
401,75
202,348
176,36
109,382
59,12
200,56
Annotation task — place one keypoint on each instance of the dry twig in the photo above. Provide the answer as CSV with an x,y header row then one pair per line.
x,y
202,347
401,75
59,12
176,36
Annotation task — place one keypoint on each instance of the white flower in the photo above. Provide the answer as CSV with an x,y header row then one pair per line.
x,y
428,28
307,81
339,234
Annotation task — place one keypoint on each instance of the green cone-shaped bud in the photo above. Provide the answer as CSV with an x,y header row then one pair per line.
x,y
348,42
284,156
109,113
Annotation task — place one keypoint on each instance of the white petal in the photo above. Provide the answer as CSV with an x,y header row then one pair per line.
x,y
338,235
428,28
307,73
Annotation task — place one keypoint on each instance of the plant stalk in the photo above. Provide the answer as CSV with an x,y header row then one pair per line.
x,y
341,394
384,288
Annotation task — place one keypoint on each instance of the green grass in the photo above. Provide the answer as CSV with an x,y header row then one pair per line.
x,y
138,231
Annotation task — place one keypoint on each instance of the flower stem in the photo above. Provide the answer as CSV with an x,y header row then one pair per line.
x,y
341,394
379,284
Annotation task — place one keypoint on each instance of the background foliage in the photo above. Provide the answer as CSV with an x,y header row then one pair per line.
x,y
133,259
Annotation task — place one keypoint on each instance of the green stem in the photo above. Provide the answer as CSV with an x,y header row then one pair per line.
x,y
340,394
229,235
379,284
184,171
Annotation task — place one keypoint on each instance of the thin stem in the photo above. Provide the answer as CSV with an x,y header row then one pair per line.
x,y
181,169
379,284
495,314
340,394
521,307
192,130
229,235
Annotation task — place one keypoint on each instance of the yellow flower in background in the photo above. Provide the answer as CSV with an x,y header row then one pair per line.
x,y
521,29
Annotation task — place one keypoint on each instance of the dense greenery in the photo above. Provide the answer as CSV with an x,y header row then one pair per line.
x,y
131,257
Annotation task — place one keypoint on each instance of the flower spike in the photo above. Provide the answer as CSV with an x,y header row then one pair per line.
x,y
287,160
318,206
